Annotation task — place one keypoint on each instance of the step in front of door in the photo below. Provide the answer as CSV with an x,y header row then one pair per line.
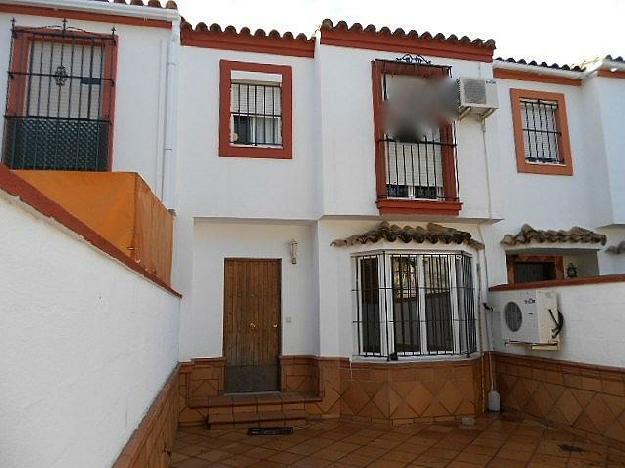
x,y
269,418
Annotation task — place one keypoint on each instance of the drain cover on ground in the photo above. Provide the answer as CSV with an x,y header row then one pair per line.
x,y
270,431
571,448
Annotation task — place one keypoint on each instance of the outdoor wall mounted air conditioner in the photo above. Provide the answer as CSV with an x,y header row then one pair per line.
x,y
529,316
477,97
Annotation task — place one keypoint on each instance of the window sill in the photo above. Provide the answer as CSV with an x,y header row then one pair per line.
x,y
545,168
244,151
406,206
414,359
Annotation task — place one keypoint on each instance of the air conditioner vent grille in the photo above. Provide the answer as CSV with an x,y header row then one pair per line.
x,y
475,91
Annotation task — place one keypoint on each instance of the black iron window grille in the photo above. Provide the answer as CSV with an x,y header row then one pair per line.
x,y
414,304
541,132
256,114
420,166
59,99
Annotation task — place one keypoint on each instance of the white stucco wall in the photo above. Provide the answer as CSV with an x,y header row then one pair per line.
x,y
139,90
86,345
201,327
593,327
213,186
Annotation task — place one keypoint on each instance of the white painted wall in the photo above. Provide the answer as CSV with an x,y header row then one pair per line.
x,y
201,329
139,90
86,346
593,327
213,186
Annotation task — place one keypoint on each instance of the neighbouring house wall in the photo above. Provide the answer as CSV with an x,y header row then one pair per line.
x,y
88,344
593,327
582,386
139,90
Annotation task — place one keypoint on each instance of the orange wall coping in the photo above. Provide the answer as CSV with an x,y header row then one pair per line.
x,y
558,283
18,187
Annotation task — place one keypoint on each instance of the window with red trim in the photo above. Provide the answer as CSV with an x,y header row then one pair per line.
x,y
255,110
414,173
59,112
541,132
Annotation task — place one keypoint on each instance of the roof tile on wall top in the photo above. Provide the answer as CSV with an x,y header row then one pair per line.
x,y
328,25
170,5
244,31
534,63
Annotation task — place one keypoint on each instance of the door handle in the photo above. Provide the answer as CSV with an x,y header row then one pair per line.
x,y
252,325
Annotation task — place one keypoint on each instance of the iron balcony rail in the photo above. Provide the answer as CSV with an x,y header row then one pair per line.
x,y
421,170
59,99
414,304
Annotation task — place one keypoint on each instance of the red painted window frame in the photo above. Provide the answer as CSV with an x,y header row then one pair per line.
x,y
449,207
523,166
20,58
226,148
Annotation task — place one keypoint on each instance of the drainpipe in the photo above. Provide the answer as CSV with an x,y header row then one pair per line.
x,y
171,119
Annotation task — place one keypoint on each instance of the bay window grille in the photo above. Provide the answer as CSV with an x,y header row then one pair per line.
x,y
256,114
541,132
59,99
414,304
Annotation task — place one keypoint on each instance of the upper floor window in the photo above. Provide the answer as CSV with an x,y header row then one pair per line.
x,y
541,132
255,110
59,109
414,304
415,157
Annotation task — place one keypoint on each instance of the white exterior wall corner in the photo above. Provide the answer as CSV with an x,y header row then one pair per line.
x,y
87,345
139,90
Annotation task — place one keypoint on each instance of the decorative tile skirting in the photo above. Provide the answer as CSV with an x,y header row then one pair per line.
x,y
152,442
391,392
586,398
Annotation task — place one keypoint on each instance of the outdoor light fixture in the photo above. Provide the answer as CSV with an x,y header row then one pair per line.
x,y
571,271
293,251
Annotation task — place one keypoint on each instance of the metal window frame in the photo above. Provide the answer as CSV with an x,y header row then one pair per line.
x,y
386,307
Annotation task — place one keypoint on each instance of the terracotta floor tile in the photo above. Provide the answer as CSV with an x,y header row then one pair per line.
x,y
502,441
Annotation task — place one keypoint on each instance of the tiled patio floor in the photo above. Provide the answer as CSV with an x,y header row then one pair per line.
x,y
501,441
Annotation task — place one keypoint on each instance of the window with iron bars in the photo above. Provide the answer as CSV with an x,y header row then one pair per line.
x,y
256,114
414,304
421,167
541,132
59,99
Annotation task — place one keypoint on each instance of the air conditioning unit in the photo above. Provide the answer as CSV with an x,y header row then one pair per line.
x,y
477,97
528,316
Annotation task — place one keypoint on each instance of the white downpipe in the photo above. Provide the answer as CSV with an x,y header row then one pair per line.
x,y
171,120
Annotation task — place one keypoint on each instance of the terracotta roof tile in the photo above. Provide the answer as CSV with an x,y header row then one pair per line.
x,y
432,233
328,25
574,235
169,5
243,32
534,63
614,59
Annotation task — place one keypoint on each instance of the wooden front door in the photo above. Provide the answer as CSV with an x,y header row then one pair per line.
x,y
252,325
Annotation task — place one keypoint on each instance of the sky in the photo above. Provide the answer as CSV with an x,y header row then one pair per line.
x,y
561,31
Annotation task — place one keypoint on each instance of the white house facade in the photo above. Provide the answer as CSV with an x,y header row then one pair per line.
x,y
319,254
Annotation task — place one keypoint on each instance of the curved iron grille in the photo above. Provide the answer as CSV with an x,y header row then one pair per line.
x,y
59,99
